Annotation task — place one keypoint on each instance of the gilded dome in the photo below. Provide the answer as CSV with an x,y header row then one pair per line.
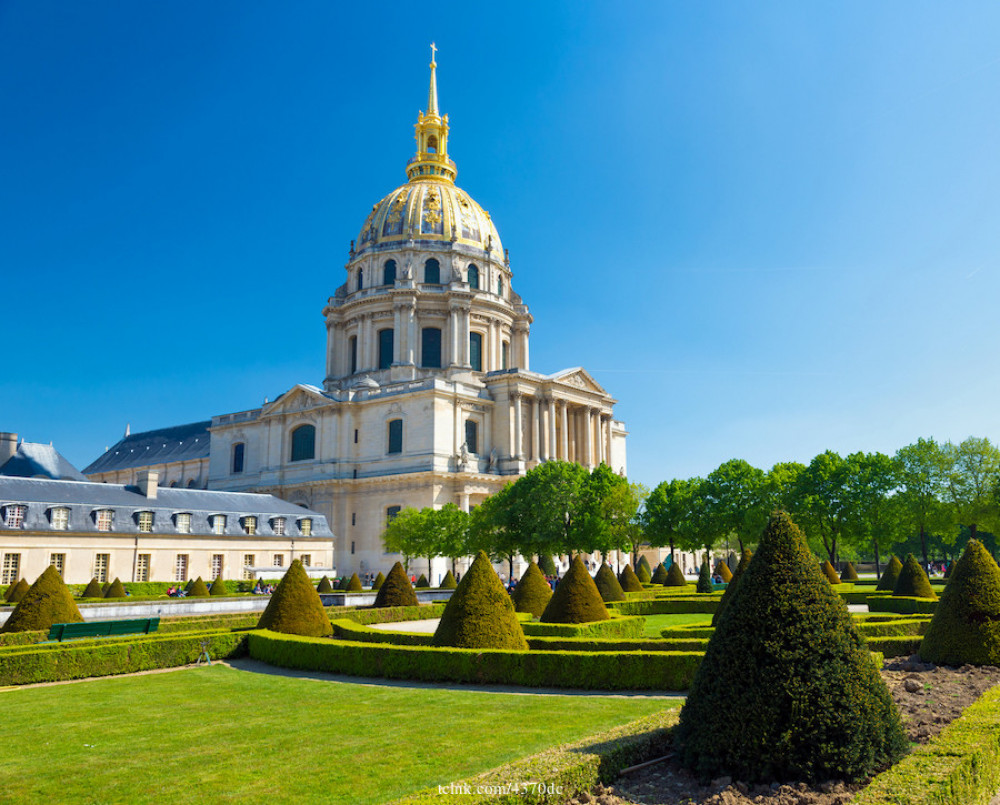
x,y
430,210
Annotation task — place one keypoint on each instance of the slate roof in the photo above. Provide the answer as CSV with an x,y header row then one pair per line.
x,y
179,443
85,498
33,459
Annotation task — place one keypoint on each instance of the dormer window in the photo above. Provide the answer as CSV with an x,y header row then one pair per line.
x,y
306,526
59,518
183,522
250,525
145,522
278,526
105,517
218,522
13,515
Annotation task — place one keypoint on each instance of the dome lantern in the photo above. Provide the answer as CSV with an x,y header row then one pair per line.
x,y
431,162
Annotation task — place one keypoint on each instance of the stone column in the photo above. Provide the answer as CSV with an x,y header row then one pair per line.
x,y
453,354
534,412
411,333
595,435
588,437
552,453
607,439
397,333
517,446
564,441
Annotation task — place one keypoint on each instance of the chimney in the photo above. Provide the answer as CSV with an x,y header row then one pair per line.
x,y
146,481
8,446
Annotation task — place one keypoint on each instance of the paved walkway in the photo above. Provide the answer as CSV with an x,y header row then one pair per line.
x,y
420,627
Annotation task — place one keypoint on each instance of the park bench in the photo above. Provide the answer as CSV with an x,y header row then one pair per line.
x,y
76,631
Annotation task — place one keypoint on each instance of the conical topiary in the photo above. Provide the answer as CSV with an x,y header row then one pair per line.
x,y
913,580
354,585
199,589
342,583
722,571
106,585
576,599
850,573
116,590
479,613
643,563
324,585
642,573
379,581
47,601
965,628
830,572
187,587
629,581
608,585
396,590
218,587
448,582
547,565
659,575
17,591
730,590
704,579
422,582
532,593
675,577
92,590
887,583
295,607
765,704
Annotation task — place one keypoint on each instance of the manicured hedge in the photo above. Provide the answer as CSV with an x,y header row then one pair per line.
x,y
902,605
616,627
687,632
958,767
210,623
22,638
599,644
601,670
58,661
894,646
893,628
704,604
349,630
388,614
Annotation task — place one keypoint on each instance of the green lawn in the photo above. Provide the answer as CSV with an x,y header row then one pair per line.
x,y
655,623
222,735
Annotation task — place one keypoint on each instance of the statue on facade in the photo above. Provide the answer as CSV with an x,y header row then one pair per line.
x,y
493,460
463,457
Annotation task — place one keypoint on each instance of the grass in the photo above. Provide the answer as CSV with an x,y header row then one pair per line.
x,y
235,736
655,623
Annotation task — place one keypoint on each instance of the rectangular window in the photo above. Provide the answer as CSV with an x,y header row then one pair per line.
x,y
352,546
142,567
278,526
146,522
238,451
216,565
305,527
249,561
354,353
391,512
476,351
504,355
11,568
279,560
250,525
13,517
104,519
472,436
385,338
395,436
307,560
430,348
354,518
60,519
218,524
355,435
58,561
184,523
101,562
181,567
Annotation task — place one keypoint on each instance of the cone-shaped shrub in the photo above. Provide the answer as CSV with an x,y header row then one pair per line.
x,y
704,580
324,585
608,585
722,570
576,599
730,590
379,581
342,583
887,583
107,584
295,607
675,576
17,591
830,572
422,582
659,575
396,590
913,580
532,592
218,587
47,601
198,589
9,591
765,704
92,590
642,570
965,628
629,581
547,565
643,562
354,585
850,573
116,590
479,613
448,582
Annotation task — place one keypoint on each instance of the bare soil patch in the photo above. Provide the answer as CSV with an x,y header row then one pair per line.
x,y
929,697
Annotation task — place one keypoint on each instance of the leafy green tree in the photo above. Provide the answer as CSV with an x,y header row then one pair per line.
x,y
601,504
666,511
406,533
735,498
821,500
872,514
780,484
623,511
921,479
447,532
971,477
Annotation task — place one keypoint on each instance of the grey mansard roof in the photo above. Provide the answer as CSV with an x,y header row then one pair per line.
x,y
32,460
84,499
179,443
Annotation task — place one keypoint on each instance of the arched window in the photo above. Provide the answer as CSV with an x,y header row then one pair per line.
x,y
432,272
303,443
395,436
432,144
430,348
473,277
389,273
476,351
385,348
238,451
499,286
361,281
354,353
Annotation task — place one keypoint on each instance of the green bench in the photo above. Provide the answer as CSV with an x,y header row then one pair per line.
x,y
76,631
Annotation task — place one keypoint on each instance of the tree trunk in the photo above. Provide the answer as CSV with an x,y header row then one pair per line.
x,y
923,543
671,550
430,572
972,531
878,570
510,566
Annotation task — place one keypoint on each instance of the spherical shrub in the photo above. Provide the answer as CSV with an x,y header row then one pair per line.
x,y
576,599
850,573
324,585
448,582
787,689
730,590
913,580
704,580
116,590
379,581
532,592
47,601
295,606
354,585
675,576
965,628
92,590
199,589
396,590
629,581
479,613
830,572
659,574
887,582
608,585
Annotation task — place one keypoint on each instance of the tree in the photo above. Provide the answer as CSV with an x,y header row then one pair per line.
x,y
872,511
820,496
602,503
779,486
447,532
971,476
406,533
919,468
667,507
735,500
623,512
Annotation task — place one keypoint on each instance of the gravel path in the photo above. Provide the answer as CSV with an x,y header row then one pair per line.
x,y
423,627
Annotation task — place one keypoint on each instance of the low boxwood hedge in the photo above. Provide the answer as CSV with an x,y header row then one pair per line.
x,y
365,615
895,645
596,670
903,605
346,629
631,626
597,644
893,628
704,604
687,632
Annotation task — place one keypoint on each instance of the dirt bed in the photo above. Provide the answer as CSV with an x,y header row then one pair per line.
x,y
929,697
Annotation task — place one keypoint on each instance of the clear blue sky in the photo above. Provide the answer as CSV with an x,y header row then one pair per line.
x,y
768,229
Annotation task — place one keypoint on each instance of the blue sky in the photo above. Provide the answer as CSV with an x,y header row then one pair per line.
x,y
768,229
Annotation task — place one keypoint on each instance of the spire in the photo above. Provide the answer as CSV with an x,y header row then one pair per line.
x,y
431,162
432,96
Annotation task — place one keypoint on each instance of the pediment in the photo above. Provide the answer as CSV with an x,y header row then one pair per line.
x,y
579,378
298,398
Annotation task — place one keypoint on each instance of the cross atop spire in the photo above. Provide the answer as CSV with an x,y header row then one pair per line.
x,y
432,96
